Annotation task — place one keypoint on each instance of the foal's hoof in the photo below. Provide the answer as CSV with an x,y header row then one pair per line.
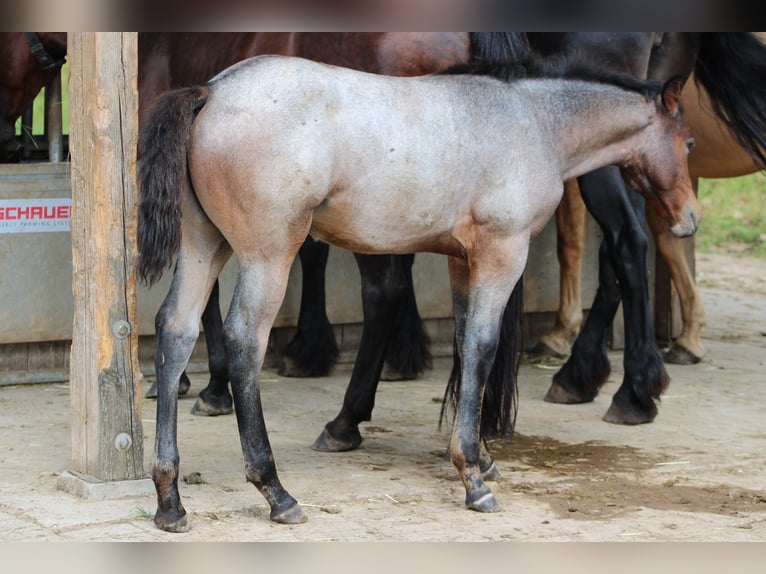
x,y
491,472
558,394
293,515
629,416
485,503
680,355
326,442
172,521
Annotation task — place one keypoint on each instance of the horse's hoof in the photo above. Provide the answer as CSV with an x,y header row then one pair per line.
x,y
680,355
542,350
289,367
184,385
326,442
491,473
205,409
620,416
391,374
293,515
172,521
485,503
560,395
183,388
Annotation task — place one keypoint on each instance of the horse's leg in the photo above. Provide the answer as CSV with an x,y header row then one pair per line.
x,y
687,349
257,296
313,351
480,292
215,398
383,287
202,257
408,352
609,201
570,243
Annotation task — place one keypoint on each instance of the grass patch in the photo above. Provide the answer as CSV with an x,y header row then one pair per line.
x,y
734,215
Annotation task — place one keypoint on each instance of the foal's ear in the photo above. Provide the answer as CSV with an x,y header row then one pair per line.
x,y
671,94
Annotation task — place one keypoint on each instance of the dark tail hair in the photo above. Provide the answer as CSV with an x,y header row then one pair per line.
x,y
162,174
500,404
731,67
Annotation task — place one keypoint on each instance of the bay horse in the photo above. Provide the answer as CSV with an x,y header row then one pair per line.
x,y
730,143
468,164
30,61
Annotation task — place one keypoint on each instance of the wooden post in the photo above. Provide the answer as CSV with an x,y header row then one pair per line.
x,y
107,438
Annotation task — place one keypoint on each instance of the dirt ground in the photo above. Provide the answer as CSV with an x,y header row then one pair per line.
x,y
697,473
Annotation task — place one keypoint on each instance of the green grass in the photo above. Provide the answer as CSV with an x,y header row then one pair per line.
x,y
38,107
734,215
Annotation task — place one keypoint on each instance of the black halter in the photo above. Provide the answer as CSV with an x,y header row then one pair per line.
x,y
40,53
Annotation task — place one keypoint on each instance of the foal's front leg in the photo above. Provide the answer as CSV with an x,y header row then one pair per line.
x,y
480,292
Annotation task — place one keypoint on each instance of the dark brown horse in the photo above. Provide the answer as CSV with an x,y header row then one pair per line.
x,y
28,64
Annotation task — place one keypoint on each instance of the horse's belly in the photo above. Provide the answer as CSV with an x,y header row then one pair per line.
x,y
370,231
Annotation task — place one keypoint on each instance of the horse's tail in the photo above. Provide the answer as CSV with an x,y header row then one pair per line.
x,y
498,47
731,67
500,402
162,174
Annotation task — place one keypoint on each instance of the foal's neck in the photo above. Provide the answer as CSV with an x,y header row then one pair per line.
x,y
593,125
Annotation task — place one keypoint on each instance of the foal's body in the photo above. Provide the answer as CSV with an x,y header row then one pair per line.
x,y
465,165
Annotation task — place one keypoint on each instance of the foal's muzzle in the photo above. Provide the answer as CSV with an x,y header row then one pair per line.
x,y
691,215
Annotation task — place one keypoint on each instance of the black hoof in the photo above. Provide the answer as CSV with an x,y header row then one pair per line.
x,y
327,442
172,521
632,415
485,503
293,515
210,405
289,367
680,355
183,388
391,374
563,396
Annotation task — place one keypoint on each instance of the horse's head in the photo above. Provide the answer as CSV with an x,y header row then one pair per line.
x,y
661,171
22,76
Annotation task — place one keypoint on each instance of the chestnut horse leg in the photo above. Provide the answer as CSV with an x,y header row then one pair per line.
x,y
570,242
687,348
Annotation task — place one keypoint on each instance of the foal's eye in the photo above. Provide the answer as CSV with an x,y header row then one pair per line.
x,y
690,144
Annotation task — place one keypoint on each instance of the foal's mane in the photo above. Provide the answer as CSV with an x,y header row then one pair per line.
x,y
571,67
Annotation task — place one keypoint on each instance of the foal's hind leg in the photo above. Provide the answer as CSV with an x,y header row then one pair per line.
x,y
257,297
200,260
215,399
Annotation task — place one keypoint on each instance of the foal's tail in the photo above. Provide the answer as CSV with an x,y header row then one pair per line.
x,y
731,67
500,402
162,175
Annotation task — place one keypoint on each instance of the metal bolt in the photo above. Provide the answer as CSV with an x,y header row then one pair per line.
x,y
121,329
122,442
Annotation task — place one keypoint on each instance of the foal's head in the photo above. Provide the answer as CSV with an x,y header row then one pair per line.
x,y
660,170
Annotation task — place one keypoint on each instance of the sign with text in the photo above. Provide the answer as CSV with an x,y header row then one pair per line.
x,y
35,215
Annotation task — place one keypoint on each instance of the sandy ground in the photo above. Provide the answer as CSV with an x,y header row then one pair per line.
x,y
698,473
